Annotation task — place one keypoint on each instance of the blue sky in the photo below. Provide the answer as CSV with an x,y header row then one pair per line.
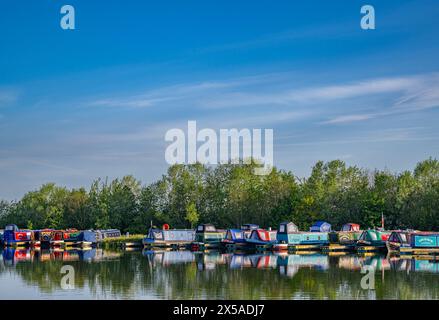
x,y
97,101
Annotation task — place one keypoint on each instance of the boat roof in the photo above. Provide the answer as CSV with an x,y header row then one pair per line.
x,y
320,223
250,226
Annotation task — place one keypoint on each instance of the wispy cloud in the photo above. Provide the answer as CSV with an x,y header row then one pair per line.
x,y
333,104
7,95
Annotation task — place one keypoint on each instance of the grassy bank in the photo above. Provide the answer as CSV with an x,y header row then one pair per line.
x,y
121,241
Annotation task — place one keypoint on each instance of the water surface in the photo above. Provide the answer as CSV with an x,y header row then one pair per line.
x,y
104,274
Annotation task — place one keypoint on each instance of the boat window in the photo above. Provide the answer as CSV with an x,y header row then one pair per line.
x,y
238,235
200,228
10,228
346,227
209,229
282,228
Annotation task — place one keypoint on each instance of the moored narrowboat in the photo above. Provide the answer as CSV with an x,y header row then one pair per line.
x,y
261,239
373,240
76,238
14,237
234,239
165,237
105,234
285,231
248,228
317,236
207,237
48,238
413,242
348,235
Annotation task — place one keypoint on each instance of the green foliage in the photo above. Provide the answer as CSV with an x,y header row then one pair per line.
x,y
192,215
230,195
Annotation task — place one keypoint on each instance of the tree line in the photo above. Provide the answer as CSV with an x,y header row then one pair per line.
x,y
229,195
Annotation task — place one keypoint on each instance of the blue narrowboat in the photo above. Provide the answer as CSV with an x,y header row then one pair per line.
x,y
285,231
169,237
14,237
318,235
261,239
409,241
234,239
83,239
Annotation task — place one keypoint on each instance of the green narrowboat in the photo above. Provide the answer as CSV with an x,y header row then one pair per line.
x,y
207,237
373,240
348,235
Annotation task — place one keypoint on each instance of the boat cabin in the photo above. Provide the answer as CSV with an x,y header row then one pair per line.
x,y
287,227
13,235
401,237
424,240
235,235
350,227
110,233
166,235
320,226
374,237
261,235
207,227
80,236
208,233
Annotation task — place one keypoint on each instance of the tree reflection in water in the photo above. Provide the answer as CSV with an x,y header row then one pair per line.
x,y
187,275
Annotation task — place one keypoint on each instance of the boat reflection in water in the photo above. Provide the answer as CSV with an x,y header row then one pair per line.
x,y
13,256
289,264
106,274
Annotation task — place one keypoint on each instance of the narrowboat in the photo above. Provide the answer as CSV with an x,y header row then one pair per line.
x,y
248,228
261,239
76,238
48,238
348,235
302,240
373,240
285,231
14,237
413,242
104,234
234,239
174,238
207,237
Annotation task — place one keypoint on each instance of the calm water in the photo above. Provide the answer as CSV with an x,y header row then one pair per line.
x,y
102,274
